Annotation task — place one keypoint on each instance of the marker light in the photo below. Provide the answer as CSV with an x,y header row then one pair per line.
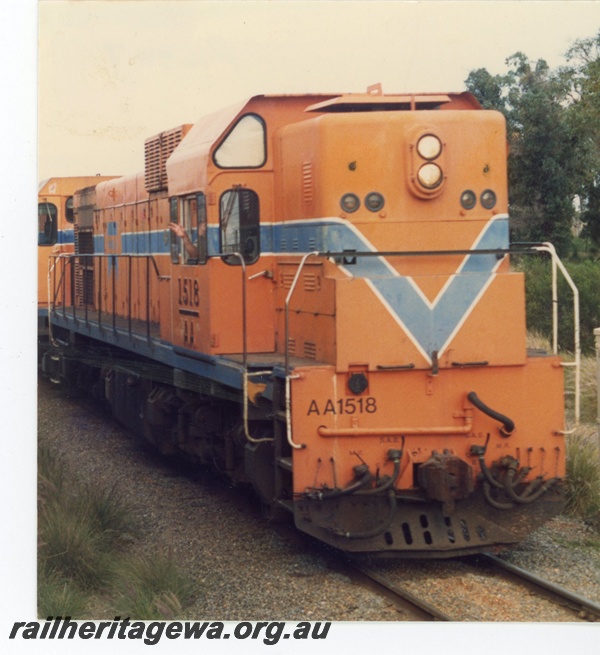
x,y
350,202
488,199
468,199
374,201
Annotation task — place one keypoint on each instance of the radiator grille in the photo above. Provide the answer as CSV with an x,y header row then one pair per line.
x,y
84,266
157,150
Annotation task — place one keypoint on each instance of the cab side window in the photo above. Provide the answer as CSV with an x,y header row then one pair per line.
x,y
190,213
47,224
69,214
174,218
240,225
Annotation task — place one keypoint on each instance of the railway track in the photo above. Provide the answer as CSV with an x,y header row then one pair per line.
x,y
582,608
414,589
400,596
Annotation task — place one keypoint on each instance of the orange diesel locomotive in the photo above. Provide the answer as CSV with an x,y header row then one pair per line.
x,y
313,294
56,222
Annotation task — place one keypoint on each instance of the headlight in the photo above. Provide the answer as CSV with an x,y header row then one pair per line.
x,y
429,147
488,199
430,175
350,202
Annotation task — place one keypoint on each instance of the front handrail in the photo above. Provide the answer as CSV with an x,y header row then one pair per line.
x,y
576,364
514,249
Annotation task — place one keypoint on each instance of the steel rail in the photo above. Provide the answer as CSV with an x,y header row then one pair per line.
x,y
422,607
588,608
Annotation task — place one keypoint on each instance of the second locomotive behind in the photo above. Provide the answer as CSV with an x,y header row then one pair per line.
x,y
339,326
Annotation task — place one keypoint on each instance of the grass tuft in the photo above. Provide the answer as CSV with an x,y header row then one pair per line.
x,y
58,596
81,553
583,475
152,588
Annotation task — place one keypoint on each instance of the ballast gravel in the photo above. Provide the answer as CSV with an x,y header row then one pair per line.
x,y
246,569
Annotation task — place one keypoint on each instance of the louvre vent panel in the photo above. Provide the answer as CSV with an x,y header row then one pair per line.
x,y
157,150
84,268
311,282
287,279
307,183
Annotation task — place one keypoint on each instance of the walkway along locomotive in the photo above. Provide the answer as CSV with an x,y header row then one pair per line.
x,y
313,294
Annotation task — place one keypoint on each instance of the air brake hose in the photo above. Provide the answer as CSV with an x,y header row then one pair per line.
x,y
395,456
363,476
533,491
479,452
494,503
508,424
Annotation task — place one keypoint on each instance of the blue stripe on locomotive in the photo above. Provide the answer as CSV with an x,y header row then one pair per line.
x,y
431,324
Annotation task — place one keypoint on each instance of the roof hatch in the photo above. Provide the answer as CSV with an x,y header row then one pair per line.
x,y
376,102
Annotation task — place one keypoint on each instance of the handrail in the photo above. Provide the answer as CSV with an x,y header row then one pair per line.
x,y
391,432
71,258
576,364
288,377
516,248
314,253
245,374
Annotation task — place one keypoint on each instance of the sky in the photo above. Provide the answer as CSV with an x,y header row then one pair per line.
x,y
114,72
85,82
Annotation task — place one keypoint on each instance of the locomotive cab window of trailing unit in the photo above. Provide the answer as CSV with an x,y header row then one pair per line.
x,y
245,146
47,224
240,225
190,212
69,213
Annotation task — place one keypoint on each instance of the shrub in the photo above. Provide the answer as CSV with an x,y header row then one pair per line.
x,y
583,475
589,390
538,290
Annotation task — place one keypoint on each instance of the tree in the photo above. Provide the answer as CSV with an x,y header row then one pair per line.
x,y
583,75
488,89
543,147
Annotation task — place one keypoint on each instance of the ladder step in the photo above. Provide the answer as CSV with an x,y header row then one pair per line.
x,y
285,463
